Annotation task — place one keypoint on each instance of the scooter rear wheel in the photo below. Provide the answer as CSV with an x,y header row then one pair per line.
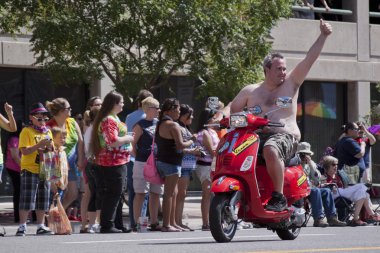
x,y
288,234
222,225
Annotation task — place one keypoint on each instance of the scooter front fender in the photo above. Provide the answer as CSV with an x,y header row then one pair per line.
x,y
226,184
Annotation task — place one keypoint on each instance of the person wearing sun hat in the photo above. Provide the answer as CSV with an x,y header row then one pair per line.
x,y
34,192
321,199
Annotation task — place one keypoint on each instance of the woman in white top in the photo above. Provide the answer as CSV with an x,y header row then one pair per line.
x,y
208,140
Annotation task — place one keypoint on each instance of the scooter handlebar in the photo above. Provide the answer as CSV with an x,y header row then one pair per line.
x,y
275,124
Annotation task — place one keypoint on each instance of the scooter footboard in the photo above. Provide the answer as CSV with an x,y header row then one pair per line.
x,y
226,184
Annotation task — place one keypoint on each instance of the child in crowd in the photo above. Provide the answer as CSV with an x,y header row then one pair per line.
x,y
34,193
59,140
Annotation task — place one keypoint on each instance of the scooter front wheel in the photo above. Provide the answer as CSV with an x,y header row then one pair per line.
x,y
288,234
222,225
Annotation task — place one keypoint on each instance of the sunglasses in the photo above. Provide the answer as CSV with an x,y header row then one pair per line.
x,y
334,164
153,107
41,119
355,129
68,108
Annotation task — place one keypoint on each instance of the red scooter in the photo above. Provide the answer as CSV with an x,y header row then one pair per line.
x,y
242,186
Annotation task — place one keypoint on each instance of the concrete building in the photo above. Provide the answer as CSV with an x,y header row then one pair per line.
x,y
340,87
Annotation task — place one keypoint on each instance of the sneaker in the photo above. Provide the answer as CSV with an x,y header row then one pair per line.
x,y
111,230
320,223
44,231
334,222
21,231
277,203
92,229
243,225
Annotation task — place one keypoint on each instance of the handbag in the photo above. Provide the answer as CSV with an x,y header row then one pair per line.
x,y
57,219
151,174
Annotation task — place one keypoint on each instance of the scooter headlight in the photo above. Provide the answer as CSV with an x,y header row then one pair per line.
x,y
238,121
247,163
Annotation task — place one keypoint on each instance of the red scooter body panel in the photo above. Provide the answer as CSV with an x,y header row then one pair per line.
x,y
241,146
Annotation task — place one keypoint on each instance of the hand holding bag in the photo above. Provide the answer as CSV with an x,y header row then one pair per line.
x,y
151,174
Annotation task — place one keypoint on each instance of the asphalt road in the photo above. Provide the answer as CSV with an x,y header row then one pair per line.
x,y
346,239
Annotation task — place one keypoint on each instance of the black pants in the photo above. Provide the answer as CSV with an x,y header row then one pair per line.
x,y
110,183
15,177
91,172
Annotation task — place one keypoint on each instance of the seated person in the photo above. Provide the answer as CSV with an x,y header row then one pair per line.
x,y
356,193
321,199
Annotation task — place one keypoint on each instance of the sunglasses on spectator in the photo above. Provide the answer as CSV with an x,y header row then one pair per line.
x,y
68,108
334,164
355,128
157,108
40,119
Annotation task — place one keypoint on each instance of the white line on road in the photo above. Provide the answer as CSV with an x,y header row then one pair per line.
x,y
183,238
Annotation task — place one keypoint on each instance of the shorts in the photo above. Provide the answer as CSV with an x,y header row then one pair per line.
x,y
73,174
203,172
140,185
34,193
284,143
167,169
186,172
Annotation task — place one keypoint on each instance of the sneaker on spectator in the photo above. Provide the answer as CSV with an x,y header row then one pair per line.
x,y
21,231
321,223
94,228
43,230
243,225
334,222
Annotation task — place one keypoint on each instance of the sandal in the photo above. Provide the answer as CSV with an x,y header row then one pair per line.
x,y
155,227
186,227
374,218
355,223
169,229
205,227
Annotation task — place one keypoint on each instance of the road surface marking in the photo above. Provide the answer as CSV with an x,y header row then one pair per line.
x,y
183,238
318,250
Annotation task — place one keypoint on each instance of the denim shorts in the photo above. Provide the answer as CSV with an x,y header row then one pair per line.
x,y
186,172
167,169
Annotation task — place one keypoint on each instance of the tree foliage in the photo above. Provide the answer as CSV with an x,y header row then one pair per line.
x,y
140,43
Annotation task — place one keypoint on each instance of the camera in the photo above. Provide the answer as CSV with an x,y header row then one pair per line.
x,y
203,153
302,155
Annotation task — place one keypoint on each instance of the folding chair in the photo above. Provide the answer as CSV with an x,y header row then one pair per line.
x,y
344,208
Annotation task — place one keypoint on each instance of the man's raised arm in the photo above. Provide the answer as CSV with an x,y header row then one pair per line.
x,y
299,73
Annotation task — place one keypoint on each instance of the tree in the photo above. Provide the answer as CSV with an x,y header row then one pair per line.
x,y
140,43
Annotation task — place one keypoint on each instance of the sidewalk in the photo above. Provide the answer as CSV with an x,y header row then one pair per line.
x,y
192,209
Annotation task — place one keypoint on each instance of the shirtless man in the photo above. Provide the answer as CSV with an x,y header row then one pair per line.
x,y
279,142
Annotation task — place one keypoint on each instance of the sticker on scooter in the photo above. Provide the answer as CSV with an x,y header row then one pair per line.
x,y
234,139
244,145
301,180
224,147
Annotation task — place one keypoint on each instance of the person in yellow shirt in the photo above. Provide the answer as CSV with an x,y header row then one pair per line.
x,y
34,192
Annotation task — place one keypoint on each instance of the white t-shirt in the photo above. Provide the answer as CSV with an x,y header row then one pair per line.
x,y
86,139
